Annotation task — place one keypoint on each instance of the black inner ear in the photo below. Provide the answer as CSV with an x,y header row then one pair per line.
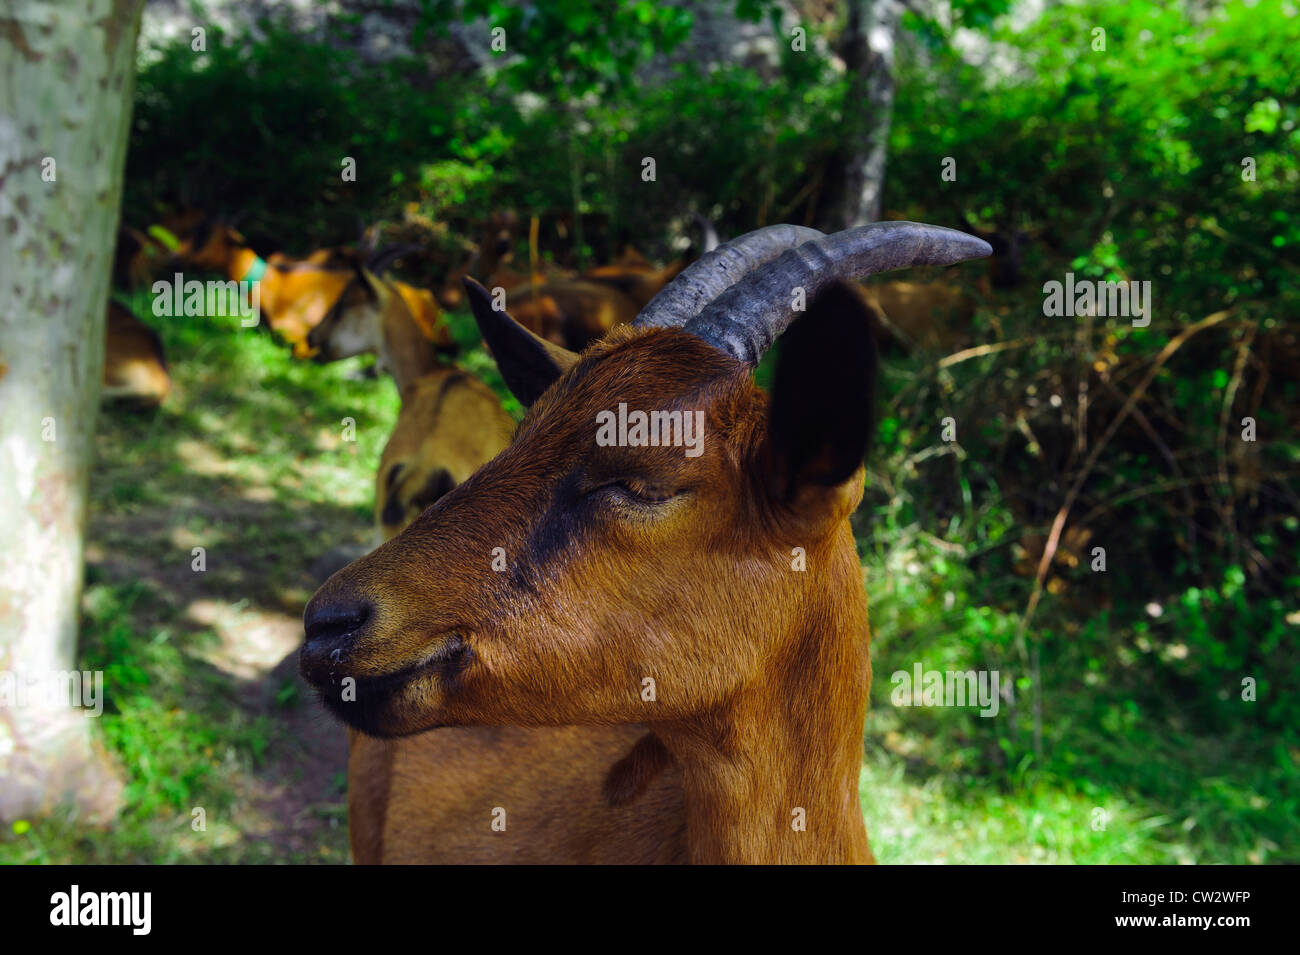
x,y
823,392
365,282
440,482
393,474
528,364
393,512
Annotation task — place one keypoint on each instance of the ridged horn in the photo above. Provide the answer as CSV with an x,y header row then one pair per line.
x,y
744,320
714,272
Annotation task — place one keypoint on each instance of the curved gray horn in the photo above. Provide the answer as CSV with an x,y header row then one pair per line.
x,y
745,319
714,272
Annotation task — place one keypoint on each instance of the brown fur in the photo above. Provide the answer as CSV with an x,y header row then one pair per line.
x,y
450,422
430,799
295,300
424,309
493,257
761,671
631,776
371,316
135,371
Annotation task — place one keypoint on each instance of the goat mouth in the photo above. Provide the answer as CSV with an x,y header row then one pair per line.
x,y
373,694
452,655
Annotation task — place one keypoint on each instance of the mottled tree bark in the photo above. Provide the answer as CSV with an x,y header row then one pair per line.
x,y
855,173
67,70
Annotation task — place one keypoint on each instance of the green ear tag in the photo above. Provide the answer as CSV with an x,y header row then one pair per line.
x,y
255,271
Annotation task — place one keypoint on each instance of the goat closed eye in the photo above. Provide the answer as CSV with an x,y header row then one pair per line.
x,y
635,492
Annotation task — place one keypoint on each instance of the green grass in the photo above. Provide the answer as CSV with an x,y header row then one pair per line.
x,y
1124,776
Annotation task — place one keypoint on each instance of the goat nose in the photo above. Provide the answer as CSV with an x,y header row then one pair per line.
x,y
330,627
330,621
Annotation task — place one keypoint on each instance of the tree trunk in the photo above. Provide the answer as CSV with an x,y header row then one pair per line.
x,y
67,69
855,174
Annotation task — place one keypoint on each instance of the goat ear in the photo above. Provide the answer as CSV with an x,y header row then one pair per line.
x,y
528,363
361,290
822,416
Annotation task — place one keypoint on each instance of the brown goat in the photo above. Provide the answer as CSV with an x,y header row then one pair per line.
x,y
419,799
135,371
576,581
295,294
564,310
638,282
493,260
450,422
571,313
424,310
372,315
449,425
935,315
575,312
422,304
353,324
634,275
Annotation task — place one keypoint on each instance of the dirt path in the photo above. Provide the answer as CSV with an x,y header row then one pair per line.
x,y
240,621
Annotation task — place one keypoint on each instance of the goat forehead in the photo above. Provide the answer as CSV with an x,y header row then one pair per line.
x,y
654,370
